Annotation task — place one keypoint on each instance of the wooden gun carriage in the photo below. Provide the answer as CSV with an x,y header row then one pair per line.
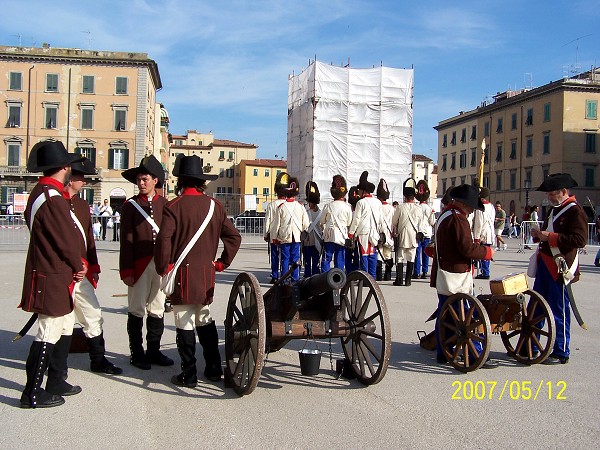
x,y
523,320
327,305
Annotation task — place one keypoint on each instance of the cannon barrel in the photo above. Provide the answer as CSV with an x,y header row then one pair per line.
x,y
321,283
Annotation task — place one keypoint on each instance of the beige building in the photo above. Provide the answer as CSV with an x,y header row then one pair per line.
x,y
100,104
256,180
528,135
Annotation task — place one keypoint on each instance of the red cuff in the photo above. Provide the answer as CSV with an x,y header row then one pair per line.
x,y
94,269
350,235
219,266
553,239
488,253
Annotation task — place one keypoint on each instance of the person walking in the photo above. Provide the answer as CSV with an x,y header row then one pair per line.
x,y
499,224
106,213
190,213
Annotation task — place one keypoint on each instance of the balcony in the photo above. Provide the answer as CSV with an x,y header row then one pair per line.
x,y
17,171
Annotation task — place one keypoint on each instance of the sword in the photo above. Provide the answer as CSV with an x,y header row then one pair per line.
x,y
563,269
26,328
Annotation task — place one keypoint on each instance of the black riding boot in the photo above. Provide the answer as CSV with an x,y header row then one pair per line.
x,y
57,369
379,271
410,266
98,362
387,275
155,326
186,345
34,396
136,347
209,339
399,275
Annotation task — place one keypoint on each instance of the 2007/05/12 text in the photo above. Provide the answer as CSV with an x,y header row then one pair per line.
x,y
513,390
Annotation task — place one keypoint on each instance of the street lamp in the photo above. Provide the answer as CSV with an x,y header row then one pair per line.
x,y
527,187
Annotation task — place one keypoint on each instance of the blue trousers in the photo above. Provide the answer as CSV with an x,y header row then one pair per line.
x,y
558,298
368,263
274,249
484,266
421,256
311,260
290,253
333,252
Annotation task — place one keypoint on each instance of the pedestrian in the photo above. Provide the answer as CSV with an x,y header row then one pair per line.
x,y
514,226
291,219
426,231
484,232
10,210
312,243
116,225
85,302
52,267
563,233
384,250
366,225
455,250
270,232
499,224
97,228
534,214
334,222
140,223
105,211
197,219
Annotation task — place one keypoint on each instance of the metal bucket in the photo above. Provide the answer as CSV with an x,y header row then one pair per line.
x,y
310,361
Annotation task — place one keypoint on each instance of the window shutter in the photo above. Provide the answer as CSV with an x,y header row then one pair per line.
x,y
125,158
93,156
111,159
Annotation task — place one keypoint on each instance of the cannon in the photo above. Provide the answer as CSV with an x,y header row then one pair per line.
x,y
523,319
328,305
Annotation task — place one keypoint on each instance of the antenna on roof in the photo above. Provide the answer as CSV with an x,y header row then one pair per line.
x,y
89,38
576,68
19,36
528,76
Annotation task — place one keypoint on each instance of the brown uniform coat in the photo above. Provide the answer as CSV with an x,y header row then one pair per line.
x,y
182,217
52,258
81,209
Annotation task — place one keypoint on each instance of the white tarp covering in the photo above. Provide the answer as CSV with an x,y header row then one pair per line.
x,y
343,120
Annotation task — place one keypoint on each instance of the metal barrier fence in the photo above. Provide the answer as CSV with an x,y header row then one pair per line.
x,y
526,242
13,230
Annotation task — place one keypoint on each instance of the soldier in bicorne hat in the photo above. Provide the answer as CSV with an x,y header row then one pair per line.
x,y
335,220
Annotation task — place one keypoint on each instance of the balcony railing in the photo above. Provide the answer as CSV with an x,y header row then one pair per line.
x,y
15,170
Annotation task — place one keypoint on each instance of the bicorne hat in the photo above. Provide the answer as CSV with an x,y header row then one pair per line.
x,y
84,167
338,187
467,194
149,165
409,187
365,185
191,167
383,193
353,196
312,193
48,155
484,193
557,181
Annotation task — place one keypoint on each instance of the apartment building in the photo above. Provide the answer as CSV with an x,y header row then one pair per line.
x,y
256,181
526,135
100,104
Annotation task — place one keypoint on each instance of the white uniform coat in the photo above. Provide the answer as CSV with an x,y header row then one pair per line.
x,y
269,228
406,221
367,221
290,220
335,220
483,224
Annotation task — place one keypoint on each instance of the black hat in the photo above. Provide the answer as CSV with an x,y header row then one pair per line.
x,y
290,186
84,167
191,167
365,185
278,187
48,155
312,193
484,193
383,192
353,196
467,194
409,187
557,181
422,191
148,165
338,187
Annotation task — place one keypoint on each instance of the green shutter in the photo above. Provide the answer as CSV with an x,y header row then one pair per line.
x,y
125,158
111,159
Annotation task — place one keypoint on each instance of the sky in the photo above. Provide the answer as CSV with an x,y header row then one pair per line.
x,y
224,66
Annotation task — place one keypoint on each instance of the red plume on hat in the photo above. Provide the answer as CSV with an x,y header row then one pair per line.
x,y
338,187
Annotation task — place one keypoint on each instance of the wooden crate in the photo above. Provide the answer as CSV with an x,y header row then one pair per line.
x,y
513,283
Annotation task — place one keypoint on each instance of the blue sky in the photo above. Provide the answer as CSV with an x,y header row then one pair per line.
x,y
224,65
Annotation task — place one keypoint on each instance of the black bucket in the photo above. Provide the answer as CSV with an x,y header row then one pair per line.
x,y
310,361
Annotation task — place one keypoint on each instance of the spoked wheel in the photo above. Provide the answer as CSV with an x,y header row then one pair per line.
x,y
368,345
464,328
533,342
245,332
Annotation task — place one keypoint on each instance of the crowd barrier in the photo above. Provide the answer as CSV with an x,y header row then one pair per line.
x,y
526,242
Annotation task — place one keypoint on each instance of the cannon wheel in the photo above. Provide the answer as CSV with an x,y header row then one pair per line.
x,y
534,340
368,346
463,321
245,334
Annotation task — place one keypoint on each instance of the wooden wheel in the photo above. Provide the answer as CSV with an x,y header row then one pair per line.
x,y
464,329
368,345
534,340
245,332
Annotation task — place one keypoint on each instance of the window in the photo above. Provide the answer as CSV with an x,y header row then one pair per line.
x,y
486,180
267,172
51,82
486,129
87,151
453,161
15,82
121,86
87,84
474,132
590,142
229,173
513,149
474,180
278,172
529,119
528,172
50,115
591,109
453,140
444,161
120,119
445,141
547,111
255,190
499,153
546,144
473,157
529,147
87,117
463,135
14,115
499,126
266,192
513,180
498,181
545,171
590,176
88,195
444,187
118,158
463,179
221,155
13,154
486,156
231,154
222,173
463,159
255,172
513,121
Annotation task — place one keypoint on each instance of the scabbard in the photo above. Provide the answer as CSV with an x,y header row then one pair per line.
x,y
574,308
26,327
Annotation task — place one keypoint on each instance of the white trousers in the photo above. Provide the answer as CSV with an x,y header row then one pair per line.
x,y
51,328
145,295
87,308
188,317
404,255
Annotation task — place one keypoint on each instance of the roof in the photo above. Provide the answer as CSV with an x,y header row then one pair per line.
x,y
265,162
228,143
417,157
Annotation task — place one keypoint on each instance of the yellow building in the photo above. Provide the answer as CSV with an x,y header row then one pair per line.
x,y
98,103
256,180
528,135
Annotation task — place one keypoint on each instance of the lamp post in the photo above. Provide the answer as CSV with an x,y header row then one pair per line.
x,y
527,187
